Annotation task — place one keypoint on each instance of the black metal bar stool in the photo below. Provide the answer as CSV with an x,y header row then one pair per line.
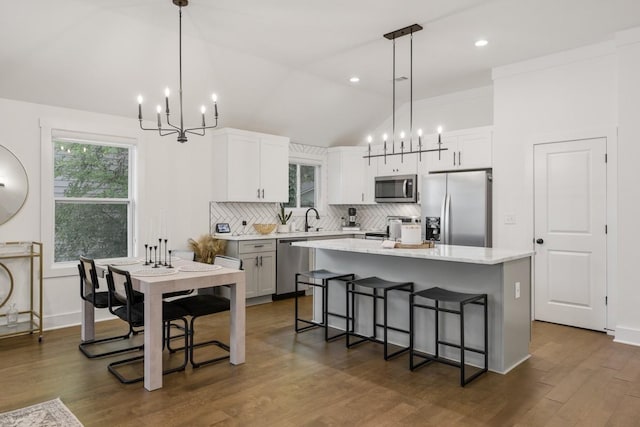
x,y
324,276
439,295
375,284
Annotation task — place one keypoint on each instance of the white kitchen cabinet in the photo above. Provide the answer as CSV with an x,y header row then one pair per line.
x,y
396,164
350,177
249,167
259,263
466,149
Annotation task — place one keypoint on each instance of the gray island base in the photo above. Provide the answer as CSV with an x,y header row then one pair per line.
x,y
505,275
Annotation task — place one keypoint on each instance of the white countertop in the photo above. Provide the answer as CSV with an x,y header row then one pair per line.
x,y
296,234
466,254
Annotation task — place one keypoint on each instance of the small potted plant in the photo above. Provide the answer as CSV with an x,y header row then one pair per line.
x,y
283,218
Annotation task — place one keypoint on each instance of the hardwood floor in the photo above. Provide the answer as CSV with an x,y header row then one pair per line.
x,y
574,377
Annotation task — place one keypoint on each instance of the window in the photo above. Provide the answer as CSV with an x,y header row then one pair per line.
x,y
303,185
92,199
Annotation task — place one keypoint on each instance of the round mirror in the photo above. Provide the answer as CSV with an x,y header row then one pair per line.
x,y
14,185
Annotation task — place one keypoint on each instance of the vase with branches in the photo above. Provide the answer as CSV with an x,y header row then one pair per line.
x,y
207,247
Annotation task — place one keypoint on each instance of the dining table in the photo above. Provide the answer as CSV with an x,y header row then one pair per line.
x,y
153,282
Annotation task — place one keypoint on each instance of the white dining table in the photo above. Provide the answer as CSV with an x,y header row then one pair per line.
x,y
154,286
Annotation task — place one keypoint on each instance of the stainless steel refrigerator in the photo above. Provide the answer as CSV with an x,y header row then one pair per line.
x,y
456,208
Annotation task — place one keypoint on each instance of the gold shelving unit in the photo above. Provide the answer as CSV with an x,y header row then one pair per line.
x,y
29,320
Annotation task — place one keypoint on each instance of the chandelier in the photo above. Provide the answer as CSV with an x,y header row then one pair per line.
x,y
170,128
393,35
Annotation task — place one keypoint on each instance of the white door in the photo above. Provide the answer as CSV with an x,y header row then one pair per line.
x,y
570,220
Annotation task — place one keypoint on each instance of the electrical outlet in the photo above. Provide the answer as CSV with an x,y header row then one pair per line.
x,y
244,222
517,289
510,219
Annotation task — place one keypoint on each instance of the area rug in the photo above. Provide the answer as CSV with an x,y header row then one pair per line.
x,y
51,414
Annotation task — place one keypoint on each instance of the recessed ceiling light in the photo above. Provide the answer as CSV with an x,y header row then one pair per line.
x,y
354,79
481,43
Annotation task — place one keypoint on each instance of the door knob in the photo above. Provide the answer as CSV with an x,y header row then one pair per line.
x,y
539,241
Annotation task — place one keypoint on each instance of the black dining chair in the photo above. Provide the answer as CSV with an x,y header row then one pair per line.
x,y
126,307
204,305
89,291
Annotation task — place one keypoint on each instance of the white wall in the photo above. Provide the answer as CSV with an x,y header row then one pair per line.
x,y
454,111
544,98
628,319
569,95
173,178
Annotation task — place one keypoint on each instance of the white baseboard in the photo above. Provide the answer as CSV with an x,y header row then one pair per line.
x,y
65,320
626,335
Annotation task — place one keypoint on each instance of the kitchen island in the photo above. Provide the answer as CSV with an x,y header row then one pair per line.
x,y
505,275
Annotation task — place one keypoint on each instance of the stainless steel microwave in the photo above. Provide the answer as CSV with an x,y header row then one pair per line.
x,y
396,189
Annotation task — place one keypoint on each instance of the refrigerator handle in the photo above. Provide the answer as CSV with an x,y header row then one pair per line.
x,y
404,188
447,219
444,224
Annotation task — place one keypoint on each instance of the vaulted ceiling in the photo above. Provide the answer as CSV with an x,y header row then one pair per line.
x,y
280,66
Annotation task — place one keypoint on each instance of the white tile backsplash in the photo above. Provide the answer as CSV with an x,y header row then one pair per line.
x,y
370,217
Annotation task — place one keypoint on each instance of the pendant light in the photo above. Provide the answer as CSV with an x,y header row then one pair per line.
x,y
170,128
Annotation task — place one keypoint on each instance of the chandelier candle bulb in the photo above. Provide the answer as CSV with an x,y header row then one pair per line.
x,y
159,110
203,110
166,99
139,107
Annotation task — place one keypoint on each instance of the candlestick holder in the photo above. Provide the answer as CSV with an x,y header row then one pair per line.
x,y
146,262
384,149
166,264
155,256
160,249
170,266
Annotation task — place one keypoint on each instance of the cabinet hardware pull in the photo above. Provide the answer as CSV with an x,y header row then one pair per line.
x,y
261,261
256,261
454,158
258,246
263,193
459,158
258,193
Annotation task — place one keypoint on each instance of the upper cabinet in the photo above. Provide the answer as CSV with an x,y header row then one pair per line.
x,y
466,149
350,177
396,164
249,167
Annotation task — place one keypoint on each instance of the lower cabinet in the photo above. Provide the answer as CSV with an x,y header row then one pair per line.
x,y
259,263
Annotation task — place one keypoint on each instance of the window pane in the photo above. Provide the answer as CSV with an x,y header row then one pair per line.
x,y
293,185
88,170
92,230
307,186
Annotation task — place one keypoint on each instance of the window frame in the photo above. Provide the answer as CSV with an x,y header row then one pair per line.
x,y
321,180
78,133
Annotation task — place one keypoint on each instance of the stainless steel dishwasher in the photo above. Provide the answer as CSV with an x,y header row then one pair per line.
x,y
290,260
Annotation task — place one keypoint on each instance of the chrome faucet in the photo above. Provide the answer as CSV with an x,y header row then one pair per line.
x,y
306,218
